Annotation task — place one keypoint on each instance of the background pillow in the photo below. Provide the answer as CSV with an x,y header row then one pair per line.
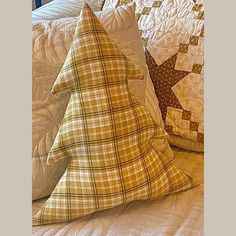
x,y
57,9
51,41
186,144
173,32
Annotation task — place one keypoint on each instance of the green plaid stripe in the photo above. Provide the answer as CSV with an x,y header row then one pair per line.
x,y
105,132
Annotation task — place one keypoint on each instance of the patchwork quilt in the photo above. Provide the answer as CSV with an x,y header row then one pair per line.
x,y
173,34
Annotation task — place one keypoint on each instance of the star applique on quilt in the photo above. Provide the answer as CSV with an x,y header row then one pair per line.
x,y
164,77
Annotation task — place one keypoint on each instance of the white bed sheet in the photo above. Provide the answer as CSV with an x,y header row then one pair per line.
x,y
180,214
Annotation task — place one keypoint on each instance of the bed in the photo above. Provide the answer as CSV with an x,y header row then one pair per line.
x,y
178,214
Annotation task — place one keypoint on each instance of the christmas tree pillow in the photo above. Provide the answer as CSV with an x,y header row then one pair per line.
x,y
106,133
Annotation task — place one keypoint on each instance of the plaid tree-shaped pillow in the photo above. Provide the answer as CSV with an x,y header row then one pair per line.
x,y
105,132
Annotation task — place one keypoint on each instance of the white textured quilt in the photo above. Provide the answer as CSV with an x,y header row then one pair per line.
x,y
180,214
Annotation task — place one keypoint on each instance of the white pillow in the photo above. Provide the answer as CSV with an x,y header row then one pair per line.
x,y
57,9
51,42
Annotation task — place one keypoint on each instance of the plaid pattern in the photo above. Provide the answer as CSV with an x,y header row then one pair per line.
x,y
105,132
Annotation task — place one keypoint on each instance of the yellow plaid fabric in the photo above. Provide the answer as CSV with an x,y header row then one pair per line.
x,y
105,132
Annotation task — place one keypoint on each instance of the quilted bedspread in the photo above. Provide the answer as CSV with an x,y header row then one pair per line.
x,y
180,214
